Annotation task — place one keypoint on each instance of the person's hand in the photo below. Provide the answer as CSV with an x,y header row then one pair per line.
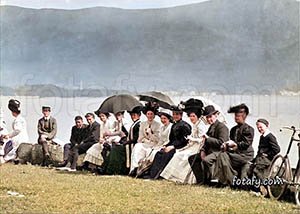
x,y
148,131
5,137
265,155
232,144
202,154
101,141
43,137
169,148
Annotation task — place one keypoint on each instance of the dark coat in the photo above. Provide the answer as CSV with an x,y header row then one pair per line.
x,y
52,129
268,145
133,134
179,131
93,133
78,134
218,134
242,135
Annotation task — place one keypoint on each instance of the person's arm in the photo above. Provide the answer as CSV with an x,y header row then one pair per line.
x,y
141,137
184,130
73,139
40,129
222,134
247,138
53,132
154,137
274,147
18,126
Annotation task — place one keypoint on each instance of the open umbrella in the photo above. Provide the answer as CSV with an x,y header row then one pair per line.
x,y
118,103
163,100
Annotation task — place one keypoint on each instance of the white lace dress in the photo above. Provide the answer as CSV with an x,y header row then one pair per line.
x,y
179,169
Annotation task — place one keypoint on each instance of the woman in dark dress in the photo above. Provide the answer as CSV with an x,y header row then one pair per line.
x,y
177,139
117,161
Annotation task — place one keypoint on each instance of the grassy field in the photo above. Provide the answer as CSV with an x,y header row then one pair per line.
x,y
48,191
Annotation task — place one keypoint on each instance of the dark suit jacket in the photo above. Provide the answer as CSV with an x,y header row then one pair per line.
x,y
268,145
93,133
78,134
242,135
52,127
218,134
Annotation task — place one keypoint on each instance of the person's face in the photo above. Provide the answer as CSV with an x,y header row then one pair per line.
x,y
90,120
176,116
46,113
193,117
103,117
150,115
239,117
134,116
211,119
164,120
14,114
119,116
79,123
261,127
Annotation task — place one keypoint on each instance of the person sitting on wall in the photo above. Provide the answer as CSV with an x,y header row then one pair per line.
x,y
47,129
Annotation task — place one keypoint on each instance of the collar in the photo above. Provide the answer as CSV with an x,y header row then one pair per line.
x,y
47,118
266,132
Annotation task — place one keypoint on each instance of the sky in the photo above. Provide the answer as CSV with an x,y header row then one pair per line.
x,y
77,4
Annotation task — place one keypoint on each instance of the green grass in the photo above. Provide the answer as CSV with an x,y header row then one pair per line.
x,y
48,191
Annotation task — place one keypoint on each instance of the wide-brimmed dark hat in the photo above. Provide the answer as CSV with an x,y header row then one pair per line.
x,y
166,113
14,105
136,110
98,112
151,106
198,111
176,109
242,108
192,103
102,112
46,108
209,110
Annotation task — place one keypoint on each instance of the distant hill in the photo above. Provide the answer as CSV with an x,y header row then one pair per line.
x,y
50,90
229,46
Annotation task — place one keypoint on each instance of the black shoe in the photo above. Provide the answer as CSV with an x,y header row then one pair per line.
x,y
133,172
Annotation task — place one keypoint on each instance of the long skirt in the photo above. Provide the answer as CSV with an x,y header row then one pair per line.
x,y
9,150
139,152
160,162
93,155
179,169
116,161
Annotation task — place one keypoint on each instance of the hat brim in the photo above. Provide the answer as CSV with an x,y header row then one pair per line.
x,y
165,114
211,113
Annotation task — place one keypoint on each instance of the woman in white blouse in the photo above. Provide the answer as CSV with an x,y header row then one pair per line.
x,y
178,169
166,120
17,136
149,135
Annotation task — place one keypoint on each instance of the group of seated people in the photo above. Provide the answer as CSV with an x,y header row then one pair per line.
x,y
174,150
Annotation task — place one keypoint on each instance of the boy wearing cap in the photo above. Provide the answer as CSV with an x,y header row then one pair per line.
x,y
47,128
238,151
267,148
